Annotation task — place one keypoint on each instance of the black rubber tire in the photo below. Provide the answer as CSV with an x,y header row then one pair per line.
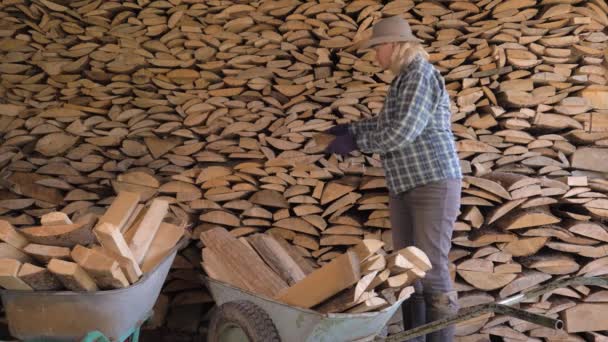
x,y
252,319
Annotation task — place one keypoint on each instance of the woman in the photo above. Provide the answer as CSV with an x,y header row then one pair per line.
x,y
413,136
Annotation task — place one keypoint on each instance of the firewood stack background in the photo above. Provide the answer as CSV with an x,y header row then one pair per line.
x,y
213,106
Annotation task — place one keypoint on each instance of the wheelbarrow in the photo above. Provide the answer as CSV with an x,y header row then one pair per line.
x,y
243,316
101,316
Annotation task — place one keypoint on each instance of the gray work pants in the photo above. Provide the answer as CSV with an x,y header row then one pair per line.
x,y
424,217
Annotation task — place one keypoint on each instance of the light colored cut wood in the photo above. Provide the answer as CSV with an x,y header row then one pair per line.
x,y
147,229
114,243
9,269
72,276
323,283
121,209
166,238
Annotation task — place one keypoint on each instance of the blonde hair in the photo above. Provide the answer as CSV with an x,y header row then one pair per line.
x,y
404,53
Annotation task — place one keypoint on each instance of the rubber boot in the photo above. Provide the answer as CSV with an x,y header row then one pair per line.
x,y
414,314
438,306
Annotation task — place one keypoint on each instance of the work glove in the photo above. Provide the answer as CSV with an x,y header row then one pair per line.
x,y
339,130
342,144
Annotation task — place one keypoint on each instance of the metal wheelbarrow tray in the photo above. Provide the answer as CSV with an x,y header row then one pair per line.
x,y
297,324
69,316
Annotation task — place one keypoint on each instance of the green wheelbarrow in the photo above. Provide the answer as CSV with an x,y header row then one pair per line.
x,y
102,316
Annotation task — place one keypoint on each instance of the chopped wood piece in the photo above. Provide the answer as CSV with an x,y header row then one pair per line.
x,y
104,270
114,243
366,248
60,235
9,235
487,281
55,218
44,253
525,246
524,281
232,262
335,190
374,263
166,238
9,252
277,258
9,279
323,283
269,198
371,304
586,317
417,257
347,298
39,278
534,217
72,276
121,209
147,228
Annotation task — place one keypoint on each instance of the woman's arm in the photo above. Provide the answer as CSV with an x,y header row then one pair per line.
x,y
406,113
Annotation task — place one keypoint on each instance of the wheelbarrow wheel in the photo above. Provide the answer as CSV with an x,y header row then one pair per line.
x,y
241,321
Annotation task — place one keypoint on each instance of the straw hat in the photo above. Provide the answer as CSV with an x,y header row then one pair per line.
x,y
391,30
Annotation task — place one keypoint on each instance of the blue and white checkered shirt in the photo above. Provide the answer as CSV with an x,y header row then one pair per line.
x,y
412,133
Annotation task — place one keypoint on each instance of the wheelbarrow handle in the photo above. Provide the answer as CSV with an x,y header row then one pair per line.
x,y
473,312
503,307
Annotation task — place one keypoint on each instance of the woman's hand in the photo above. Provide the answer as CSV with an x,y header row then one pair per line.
x,y
342,144
339,130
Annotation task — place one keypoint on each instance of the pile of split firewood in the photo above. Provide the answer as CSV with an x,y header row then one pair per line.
x,y
91,253
363,279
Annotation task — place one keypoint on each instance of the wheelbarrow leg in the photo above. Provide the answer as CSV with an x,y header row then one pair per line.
x,y
95,336
135,336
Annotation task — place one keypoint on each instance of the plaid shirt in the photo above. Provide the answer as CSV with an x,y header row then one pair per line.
x,y
412,133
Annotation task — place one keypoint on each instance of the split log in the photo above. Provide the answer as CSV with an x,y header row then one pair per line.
x,y
147,228
72,276
323,283
60,235
9,235
277,258
38,278
121,209
115,245
9,270
104,270
231,261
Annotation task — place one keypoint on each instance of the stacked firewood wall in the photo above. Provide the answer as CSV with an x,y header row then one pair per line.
x,y
213,105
